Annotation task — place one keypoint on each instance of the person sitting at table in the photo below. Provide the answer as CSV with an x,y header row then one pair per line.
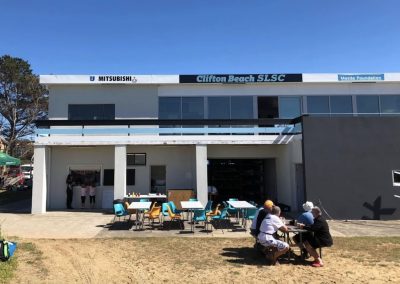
x,y
306,217
269,226
318,236
266,209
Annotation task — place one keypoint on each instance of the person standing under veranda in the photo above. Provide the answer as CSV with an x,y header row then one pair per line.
x,y
70,192
92,195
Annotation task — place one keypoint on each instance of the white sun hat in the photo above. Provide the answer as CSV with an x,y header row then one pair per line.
x,y
308,206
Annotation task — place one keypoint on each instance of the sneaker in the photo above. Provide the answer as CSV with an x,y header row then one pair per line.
x,y
317,264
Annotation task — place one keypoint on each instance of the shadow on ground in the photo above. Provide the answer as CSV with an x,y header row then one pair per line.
x,y
244,255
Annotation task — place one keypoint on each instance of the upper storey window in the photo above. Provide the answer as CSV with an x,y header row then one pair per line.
x,y
91,112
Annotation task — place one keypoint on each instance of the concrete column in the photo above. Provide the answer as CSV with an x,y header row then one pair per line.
x,y
39,186
119,171
201,174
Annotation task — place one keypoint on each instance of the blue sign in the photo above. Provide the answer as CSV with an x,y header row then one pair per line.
x,y
361,77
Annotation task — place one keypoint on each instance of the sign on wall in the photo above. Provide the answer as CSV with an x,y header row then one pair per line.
x,y
240,78
361,77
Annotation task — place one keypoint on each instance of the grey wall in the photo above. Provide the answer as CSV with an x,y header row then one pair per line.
x,y
137,102
348,165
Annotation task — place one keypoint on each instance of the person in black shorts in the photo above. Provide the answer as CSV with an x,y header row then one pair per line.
x,y
318,236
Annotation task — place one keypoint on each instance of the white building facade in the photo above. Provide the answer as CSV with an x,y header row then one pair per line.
x,y
151,133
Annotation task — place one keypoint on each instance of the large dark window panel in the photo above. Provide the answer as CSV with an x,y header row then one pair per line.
x,y
367,104
169,108
130,176
341,104
242,107
267,107
289,107
390,104
108,177
193,108
219,108
91,112
318,104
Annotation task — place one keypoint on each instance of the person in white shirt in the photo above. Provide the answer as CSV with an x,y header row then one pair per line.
x,y
269,226
83,196
92,195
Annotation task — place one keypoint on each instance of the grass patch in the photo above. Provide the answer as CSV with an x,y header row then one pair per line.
x,y
371,249
7,268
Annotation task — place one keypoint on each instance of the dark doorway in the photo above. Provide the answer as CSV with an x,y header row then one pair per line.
x,y
245,179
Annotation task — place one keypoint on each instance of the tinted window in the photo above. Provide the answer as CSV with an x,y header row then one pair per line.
x,y
169,108
341,104
91,112
108,177
367,104
241,107
192,108
218,107
267,107
390,104
289,107
318,104
130,176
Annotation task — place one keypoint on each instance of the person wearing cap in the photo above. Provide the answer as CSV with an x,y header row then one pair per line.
x,y
306,217
265,210
318,236
269,226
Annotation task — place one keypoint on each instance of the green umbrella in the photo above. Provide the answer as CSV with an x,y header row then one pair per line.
x,y
7,160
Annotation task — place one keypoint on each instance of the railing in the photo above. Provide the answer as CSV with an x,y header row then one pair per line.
x,y
168,127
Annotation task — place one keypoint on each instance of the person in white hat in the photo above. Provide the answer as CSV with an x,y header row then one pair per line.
x,y
306,217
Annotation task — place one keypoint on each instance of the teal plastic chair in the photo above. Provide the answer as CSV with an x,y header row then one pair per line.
x,y
222,216
219,219
193,199
200,216
120,211
209,206
173,208
164,209
144,200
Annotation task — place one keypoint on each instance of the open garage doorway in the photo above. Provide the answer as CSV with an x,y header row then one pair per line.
x,y
246,179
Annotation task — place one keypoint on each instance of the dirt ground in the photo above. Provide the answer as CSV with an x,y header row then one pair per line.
x,y
198,260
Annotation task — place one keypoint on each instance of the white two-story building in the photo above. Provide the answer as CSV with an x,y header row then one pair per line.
x,y
242,133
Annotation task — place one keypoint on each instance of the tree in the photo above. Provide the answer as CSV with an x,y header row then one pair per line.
x,y
22,100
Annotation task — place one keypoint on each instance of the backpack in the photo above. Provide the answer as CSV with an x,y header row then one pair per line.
x,y
6,250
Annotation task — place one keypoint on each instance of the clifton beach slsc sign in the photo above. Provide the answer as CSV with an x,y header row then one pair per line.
x,y
240,78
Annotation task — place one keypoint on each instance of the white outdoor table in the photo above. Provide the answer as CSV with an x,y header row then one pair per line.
x,y
191,206
241,205
139,206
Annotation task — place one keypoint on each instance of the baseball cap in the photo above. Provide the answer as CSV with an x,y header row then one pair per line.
x,y
268,204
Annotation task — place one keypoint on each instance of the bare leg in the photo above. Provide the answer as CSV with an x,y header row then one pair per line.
x,y
312,252
279,253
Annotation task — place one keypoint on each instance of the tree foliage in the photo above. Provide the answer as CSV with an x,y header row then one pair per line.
x,y
22,100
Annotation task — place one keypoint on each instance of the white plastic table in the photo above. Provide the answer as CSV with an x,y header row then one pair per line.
x,y
139,206
241,205
191,206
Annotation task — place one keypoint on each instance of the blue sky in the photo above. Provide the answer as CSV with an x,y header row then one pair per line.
x,y
207,36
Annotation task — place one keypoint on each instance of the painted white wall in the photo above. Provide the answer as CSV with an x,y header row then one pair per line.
x,y
39,190
179,162
201,174
63,158
130,101
119,171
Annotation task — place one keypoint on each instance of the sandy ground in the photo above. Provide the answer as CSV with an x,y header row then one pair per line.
x,y
187,260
